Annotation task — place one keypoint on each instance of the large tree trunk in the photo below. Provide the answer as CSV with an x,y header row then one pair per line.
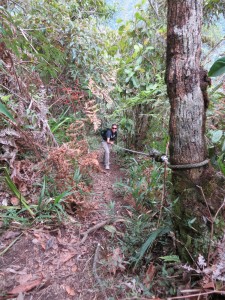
x,y
193,186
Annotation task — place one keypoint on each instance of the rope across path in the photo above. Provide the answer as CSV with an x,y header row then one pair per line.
x,y
132,151
163,158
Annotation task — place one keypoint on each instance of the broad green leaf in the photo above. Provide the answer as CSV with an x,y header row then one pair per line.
x,y
110,228
138,47
216,136
5,98
138,16
135,81
121,28
218,68
4,111
139,60
119,21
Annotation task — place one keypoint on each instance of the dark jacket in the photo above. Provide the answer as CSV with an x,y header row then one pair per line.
x,y
109,134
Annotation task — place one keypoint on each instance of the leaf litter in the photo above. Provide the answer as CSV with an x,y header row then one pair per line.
x,y
50,263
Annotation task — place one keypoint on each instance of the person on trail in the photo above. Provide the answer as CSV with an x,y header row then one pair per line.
x,y
108,141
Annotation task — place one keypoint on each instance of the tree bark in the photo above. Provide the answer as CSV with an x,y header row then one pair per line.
x,y
193,188
187,143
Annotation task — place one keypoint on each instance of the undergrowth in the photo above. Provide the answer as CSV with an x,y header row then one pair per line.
x,y
46,191
147,243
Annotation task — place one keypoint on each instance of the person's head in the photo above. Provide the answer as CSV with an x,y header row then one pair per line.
x,y
114,127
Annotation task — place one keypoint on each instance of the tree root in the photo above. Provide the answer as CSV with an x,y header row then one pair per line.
x,y
97,226
96,274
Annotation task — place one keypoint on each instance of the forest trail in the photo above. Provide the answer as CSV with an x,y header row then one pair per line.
x,y
47,263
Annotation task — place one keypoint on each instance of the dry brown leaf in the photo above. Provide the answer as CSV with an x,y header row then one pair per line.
x,y
26,287
11,235
10,270
74,269
70,290
24,278
64,257
209,285
129,213
61,240
15,201
23,187
115,261
41,238
149,275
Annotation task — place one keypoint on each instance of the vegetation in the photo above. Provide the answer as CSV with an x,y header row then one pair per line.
x,y
64,74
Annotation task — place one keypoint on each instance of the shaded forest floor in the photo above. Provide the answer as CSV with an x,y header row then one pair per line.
x,y
60,262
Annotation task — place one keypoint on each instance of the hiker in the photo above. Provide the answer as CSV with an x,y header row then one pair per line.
x,y
108,140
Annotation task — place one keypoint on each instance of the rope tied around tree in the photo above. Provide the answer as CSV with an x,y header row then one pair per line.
x,y
153,153
190,166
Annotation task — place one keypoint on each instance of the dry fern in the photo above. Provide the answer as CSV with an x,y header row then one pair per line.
x,y
100,92
90,163
8,145
91,109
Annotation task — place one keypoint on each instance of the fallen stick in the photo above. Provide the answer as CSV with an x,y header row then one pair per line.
x,y
97,226
10,245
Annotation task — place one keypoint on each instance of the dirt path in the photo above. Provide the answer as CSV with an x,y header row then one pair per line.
x,y
54,261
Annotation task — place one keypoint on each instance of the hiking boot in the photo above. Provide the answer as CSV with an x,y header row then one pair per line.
x,y
107,168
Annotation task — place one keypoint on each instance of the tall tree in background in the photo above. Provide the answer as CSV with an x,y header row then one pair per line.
x,y
196,187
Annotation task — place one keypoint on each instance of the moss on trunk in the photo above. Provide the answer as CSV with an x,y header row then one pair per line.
x,y
194,210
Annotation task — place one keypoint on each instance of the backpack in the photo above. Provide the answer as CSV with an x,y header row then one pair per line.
x,y
103,133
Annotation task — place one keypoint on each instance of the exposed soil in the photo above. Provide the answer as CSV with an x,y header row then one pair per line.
x,y
59,262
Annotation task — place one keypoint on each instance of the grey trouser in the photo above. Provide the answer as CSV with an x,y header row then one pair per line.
x,y
107,148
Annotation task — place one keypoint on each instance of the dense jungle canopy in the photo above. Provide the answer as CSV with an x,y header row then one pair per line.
x,y
72,68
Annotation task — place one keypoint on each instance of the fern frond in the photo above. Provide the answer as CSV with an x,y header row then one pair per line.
x,y
9,132
100,92
149,242
91,109
7,142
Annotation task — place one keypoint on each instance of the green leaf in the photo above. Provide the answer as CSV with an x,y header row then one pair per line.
x,y
153,236
221,163
218,68
138,47
135,82
41,197
74,53
16,192
60,124
5,98
110,228
119,21
216,136
170,258
121,28
5,111
60,197
223,147
138,16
